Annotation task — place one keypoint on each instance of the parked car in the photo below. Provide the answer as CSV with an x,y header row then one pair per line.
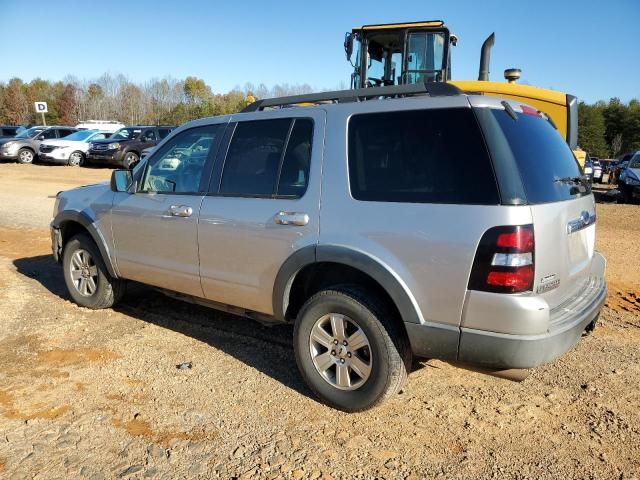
x,y
110,126
8,131
124,147
620,165
629,182
382,229
25,146
597,170
70,150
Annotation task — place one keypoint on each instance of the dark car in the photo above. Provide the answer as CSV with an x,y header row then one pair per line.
x,y
7,131
24,147
125,146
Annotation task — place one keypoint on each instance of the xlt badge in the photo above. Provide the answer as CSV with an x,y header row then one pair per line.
x,y
548,283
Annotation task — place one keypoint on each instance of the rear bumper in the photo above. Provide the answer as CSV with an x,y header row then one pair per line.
x,y
494,350
568,321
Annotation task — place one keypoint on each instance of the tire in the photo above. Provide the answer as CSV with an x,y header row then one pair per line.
x,y
26,156
386,356
86,276
76,159
130,159
626,193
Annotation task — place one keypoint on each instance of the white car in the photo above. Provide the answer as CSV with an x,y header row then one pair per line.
x,y
70,150
110,126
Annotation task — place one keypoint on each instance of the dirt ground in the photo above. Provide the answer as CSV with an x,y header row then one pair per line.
x,y
86,394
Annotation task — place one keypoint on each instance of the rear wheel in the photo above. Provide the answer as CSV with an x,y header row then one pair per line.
x,y
349,349
626,193
87,279
76,159
25,156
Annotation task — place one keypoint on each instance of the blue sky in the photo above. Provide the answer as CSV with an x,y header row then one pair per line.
x,y
588,48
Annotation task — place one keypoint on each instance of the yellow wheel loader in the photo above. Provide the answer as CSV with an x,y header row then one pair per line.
x,y
420,52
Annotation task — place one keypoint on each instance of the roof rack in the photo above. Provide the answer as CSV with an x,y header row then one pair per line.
x,y
435,89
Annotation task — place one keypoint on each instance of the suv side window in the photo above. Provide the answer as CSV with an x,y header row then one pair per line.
x,y
47,134
178,166
148,136
420,156
63,132
268,158
163,132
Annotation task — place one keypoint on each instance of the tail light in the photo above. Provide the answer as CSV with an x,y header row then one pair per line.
x,y
504,261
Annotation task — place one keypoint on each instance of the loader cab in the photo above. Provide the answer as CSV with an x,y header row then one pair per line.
x,y
399,54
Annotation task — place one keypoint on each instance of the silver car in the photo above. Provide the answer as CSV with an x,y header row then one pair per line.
x,y
416,223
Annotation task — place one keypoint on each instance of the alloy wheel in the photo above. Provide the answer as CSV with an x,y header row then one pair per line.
x,y
84,273
340,351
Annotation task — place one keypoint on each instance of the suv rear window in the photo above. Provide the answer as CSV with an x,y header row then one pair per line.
x,y
540,153
420,156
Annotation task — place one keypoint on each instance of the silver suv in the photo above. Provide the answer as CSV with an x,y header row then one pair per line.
x,y
420,222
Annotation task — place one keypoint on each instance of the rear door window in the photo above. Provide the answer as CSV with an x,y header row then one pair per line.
x,y
420,156
268,158
544,160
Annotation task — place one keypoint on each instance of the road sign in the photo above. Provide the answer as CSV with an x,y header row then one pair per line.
x,y
41,107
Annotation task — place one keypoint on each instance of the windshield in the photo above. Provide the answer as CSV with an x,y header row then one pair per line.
x,y
635,161
32,132
126,134
81,136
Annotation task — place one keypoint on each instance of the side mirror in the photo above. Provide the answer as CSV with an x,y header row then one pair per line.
x,y
40,137
121,180
348,45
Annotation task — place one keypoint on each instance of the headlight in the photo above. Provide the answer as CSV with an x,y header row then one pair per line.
x,y
9,145
115,146
632,181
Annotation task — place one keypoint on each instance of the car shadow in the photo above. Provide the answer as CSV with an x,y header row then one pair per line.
x,y
268,349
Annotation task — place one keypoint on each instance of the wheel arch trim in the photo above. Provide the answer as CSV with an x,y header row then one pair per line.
x,y
390,281
83,219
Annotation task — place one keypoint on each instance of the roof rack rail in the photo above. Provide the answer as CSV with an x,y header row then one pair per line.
x,y
435,89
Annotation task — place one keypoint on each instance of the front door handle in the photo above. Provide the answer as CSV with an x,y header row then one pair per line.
x,y
180,211
292,218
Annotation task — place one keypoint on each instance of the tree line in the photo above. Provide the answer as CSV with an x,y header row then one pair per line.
x,y
609,129
114,97
606,129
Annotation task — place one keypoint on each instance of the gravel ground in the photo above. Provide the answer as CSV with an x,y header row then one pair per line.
x,y
87,394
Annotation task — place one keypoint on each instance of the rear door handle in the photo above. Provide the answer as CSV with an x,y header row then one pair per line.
x,y
292,218
180,211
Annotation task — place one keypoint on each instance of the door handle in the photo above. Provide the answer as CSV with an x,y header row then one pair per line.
x,y
180,211
292,218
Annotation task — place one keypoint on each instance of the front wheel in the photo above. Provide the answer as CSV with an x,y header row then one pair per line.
x,y
350,349
76,159
130,160
25,156
86,276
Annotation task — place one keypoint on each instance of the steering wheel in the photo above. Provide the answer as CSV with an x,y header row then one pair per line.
x,y
376,81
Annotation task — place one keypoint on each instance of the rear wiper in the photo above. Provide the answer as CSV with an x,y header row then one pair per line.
x,y
580,179
579,184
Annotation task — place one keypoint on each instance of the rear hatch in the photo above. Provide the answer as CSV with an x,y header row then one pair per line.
x,y
535,167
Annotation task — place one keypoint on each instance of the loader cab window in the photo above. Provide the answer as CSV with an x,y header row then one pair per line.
x,y
425,57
